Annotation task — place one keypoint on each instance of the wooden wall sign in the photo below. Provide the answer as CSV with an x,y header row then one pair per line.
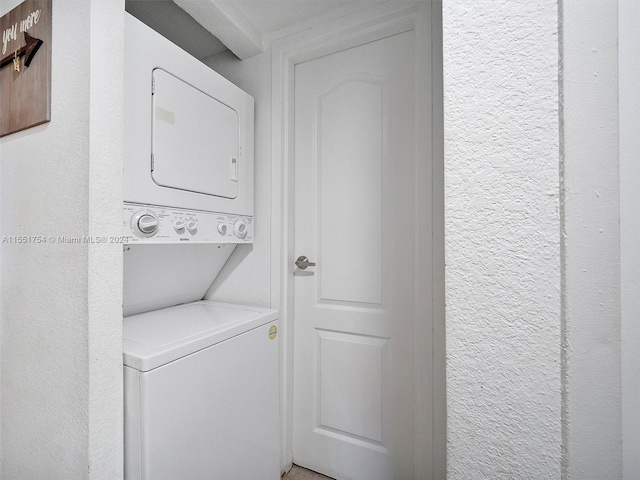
x,y
25,66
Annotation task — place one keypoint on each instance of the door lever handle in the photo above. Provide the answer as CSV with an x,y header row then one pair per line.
x,y
303,262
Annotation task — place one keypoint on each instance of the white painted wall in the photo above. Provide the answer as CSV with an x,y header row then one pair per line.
x,y
629,102
246,278
61,364
591,241
502,243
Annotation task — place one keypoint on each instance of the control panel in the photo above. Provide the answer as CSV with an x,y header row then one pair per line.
x,y
154,224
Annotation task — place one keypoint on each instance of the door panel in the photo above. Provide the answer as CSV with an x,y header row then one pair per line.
x,y
354,319
351,385
349,143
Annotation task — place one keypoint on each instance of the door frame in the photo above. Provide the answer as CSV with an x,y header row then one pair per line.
x,y
374,23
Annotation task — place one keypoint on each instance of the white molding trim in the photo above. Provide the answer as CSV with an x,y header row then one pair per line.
x,y
369,25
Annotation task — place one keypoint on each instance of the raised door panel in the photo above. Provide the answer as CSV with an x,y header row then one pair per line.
x,y
352,384
349,156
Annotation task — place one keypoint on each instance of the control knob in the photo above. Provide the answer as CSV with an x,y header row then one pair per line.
x,y
222,229
240,228
178,226
145,224
192,226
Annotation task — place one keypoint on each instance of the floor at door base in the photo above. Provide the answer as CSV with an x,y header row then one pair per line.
x,y
299,473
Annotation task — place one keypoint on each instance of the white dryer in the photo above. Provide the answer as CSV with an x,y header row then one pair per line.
x,y
201,393
188,172
188,147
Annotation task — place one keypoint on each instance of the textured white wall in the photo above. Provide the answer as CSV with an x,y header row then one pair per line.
x,y
246,278
525,277
502,241
591,245
61,367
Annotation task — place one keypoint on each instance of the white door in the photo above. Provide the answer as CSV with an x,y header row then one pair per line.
x,y
355,216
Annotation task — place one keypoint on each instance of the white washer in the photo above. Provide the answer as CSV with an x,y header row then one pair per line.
x,y
201,393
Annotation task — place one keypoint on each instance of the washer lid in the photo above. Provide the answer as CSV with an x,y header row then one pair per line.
x,y
152,339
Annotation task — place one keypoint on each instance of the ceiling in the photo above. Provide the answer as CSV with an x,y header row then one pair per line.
x,y
246,27
166,18
270,17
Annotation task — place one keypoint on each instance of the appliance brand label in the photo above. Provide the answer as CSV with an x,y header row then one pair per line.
x,y
273,331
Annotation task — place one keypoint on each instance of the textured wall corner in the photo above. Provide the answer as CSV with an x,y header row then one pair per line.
x,y
502,235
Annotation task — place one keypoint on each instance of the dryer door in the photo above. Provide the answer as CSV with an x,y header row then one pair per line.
x,y
195,139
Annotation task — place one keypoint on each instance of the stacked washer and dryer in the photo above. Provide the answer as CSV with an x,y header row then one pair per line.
x,y
201,377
